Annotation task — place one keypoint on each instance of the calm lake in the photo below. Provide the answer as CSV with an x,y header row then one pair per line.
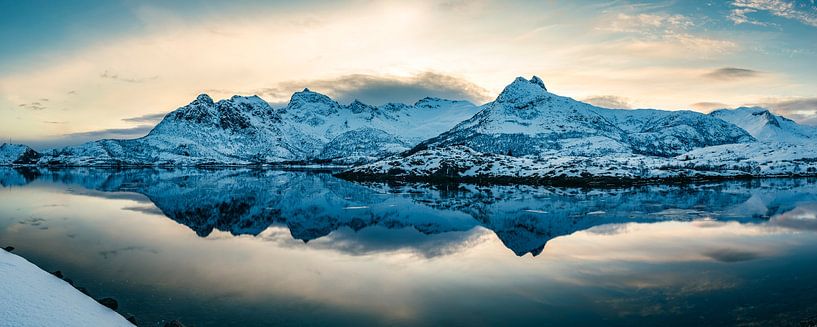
x,y
240,247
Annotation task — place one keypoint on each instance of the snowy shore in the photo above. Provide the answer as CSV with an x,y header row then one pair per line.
x,y
36,298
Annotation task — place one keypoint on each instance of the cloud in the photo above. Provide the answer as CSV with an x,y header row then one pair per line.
x,y
146,119
731,73
459,5
708,106
801,218
732,255
648,23
116,133
802,12
71,139
377,239
608,101
150,210
410,40
806,120
382,89
803,110
36,106
793,105
109,253
739,16
117,77
660,35
668,46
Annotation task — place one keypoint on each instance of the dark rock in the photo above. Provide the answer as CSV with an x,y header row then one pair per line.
x,y
109,302
174,323
58,274
131,319
83,290
9,248
28,157
69,281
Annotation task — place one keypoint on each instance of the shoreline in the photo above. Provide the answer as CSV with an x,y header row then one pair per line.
x,y
595,182
348,175
46,299
103,302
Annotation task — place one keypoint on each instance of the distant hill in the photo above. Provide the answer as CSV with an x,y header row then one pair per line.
x,y
17,154
766,126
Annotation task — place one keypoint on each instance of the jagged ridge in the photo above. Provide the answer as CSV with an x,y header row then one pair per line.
x,y
247,130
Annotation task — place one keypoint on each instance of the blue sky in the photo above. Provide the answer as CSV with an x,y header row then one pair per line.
x,y
73,71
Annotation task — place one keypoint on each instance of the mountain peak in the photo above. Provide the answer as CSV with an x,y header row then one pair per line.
x,y
17,154
358,107
522,91
308,96
765,116
204,98
308,102
538,81
764,125
433,102
252,100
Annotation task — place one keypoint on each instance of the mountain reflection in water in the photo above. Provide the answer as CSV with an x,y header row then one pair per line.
x,y
525,218
415,253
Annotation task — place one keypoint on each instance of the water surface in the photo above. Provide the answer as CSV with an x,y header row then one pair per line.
x,y
260,247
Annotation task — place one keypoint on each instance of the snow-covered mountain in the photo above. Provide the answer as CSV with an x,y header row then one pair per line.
x,y
527,134
527,120
239,130
766,126
359,132
17,154
247,130
530,135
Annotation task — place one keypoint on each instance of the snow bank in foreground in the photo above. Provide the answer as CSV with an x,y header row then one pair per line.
x,y
30,296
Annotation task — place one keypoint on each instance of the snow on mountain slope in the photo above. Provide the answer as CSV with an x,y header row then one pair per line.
x,y
530,135
527,120
766,126
460,163
362,145
669,133
239,130
246,130
33,297
537,134
361,132
17,154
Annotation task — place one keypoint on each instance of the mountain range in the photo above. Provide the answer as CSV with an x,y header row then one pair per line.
x,y
527,120
527,134
312,128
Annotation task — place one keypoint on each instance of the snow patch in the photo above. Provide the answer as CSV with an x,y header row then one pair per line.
x,y
35,298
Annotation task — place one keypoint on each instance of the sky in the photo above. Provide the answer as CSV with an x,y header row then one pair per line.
x,y
74,71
